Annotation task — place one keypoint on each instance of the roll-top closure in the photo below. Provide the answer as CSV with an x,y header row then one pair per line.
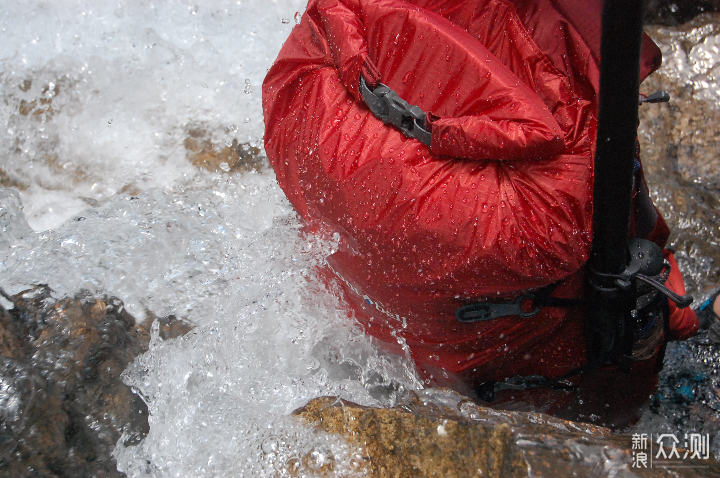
x,y
483,111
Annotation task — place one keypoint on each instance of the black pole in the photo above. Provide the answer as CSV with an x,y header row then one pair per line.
x,y
614,172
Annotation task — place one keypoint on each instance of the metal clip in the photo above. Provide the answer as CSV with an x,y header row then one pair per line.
x,y
387,106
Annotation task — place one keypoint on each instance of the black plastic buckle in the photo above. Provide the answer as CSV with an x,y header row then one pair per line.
x,y
387,106
487,310
657,97
533,381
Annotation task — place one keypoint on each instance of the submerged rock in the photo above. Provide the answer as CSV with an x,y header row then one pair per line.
x,y
680,142
437,432
63,405
228,157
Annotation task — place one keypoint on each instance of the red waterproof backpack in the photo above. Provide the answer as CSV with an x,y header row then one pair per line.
x,y
497,202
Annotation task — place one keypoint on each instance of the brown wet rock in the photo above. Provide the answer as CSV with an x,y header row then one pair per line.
x,y
63,405
170,326
398,443
205,154
440,433
40,107
7,181
35,101
130,190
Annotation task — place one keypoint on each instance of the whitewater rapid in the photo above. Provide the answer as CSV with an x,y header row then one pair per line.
x,y
98,101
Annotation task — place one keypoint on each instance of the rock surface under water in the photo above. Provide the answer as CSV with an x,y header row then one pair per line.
x,y
680,141
676,12
63,405
437,432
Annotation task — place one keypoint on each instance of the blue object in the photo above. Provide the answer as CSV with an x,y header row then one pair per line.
x,y
686,392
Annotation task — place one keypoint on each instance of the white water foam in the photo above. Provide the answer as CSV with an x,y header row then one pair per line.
x,y
98,98
98,95
269,333
698,65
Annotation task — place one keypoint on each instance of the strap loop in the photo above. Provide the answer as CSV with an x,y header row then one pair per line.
x,y
480,311
487,310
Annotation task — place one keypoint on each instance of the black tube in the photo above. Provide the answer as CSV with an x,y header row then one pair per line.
x,y
617,131
610,328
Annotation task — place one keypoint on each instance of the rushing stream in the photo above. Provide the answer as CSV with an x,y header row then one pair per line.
x,y
100,104
105,108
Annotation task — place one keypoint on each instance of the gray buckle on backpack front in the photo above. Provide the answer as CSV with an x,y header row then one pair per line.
x,y
387,106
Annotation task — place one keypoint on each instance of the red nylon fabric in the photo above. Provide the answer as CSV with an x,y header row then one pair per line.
x,y
499,204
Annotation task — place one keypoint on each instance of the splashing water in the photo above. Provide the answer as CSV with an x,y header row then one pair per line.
x,y
269,334
99,96
99,101
691,56
680,145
